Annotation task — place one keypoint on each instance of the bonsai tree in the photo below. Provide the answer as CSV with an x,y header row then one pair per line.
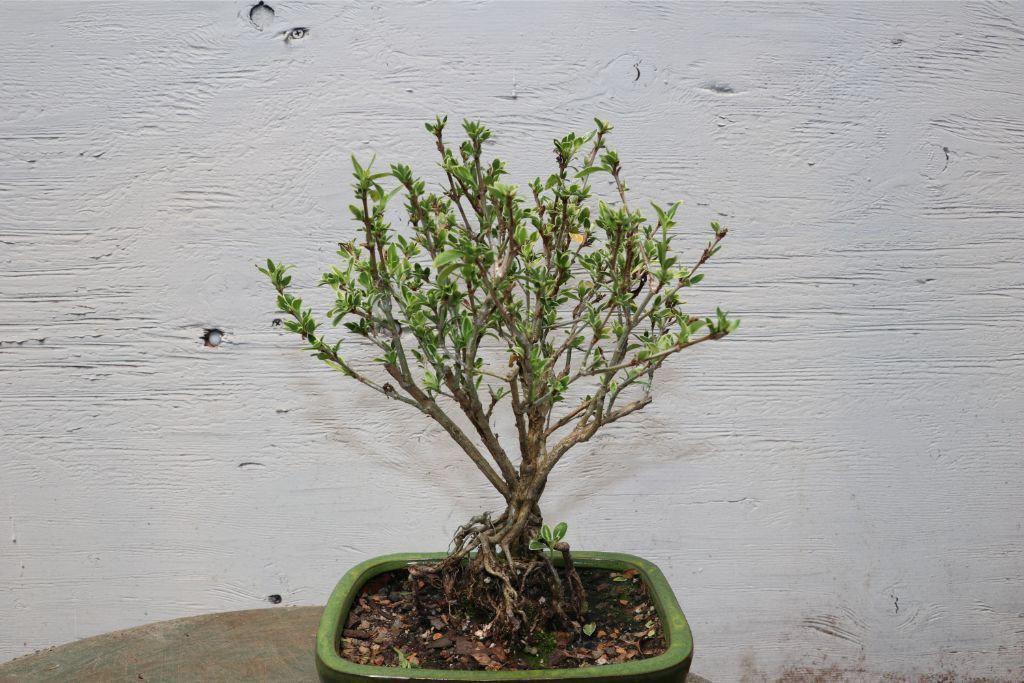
x,y
533,300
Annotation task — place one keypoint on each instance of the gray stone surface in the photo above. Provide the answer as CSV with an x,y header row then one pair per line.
x,y
252,645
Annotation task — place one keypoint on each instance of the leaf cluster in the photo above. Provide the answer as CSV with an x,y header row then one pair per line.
x,y
549,537
489,293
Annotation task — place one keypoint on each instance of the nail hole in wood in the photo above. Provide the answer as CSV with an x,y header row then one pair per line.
x,y
297,33
212,337
261,15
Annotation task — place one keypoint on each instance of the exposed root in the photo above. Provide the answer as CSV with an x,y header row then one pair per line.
x,y
577,594
491,567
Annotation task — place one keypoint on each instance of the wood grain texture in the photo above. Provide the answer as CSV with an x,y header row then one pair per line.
x,y
836,488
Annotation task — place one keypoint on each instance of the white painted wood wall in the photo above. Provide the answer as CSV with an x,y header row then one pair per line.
x,y
839,488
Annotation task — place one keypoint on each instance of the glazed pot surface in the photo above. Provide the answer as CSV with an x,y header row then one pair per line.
x,y
672,665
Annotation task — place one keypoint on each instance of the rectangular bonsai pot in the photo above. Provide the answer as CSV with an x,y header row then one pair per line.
x,y
672,665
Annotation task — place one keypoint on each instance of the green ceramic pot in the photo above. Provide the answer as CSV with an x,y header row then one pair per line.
x,y
672,665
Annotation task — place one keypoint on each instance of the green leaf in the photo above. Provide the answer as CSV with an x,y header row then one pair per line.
x,y
446,257
430,381
545,533
403,661
536,544
590,170
521,235
589,629
560,530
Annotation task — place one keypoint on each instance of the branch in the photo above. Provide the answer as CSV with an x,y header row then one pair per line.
x,y
583,432
430,407
644,361
566,419
470,404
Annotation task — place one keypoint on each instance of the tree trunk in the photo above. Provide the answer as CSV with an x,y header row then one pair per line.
x,y
492,565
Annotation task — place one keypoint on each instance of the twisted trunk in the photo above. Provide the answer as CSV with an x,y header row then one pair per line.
x,y
492,566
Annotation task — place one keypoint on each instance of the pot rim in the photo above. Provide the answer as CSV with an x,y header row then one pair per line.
x,y
331,664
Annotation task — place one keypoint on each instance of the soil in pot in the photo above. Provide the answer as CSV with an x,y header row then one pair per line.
x,y
396,622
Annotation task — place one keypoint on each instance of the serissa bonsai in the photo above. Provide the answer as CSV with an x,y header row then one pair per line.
x,y
546,305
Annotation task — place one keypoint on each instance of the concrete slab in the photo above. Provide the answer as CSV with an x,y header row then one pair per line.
x,y
253,645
